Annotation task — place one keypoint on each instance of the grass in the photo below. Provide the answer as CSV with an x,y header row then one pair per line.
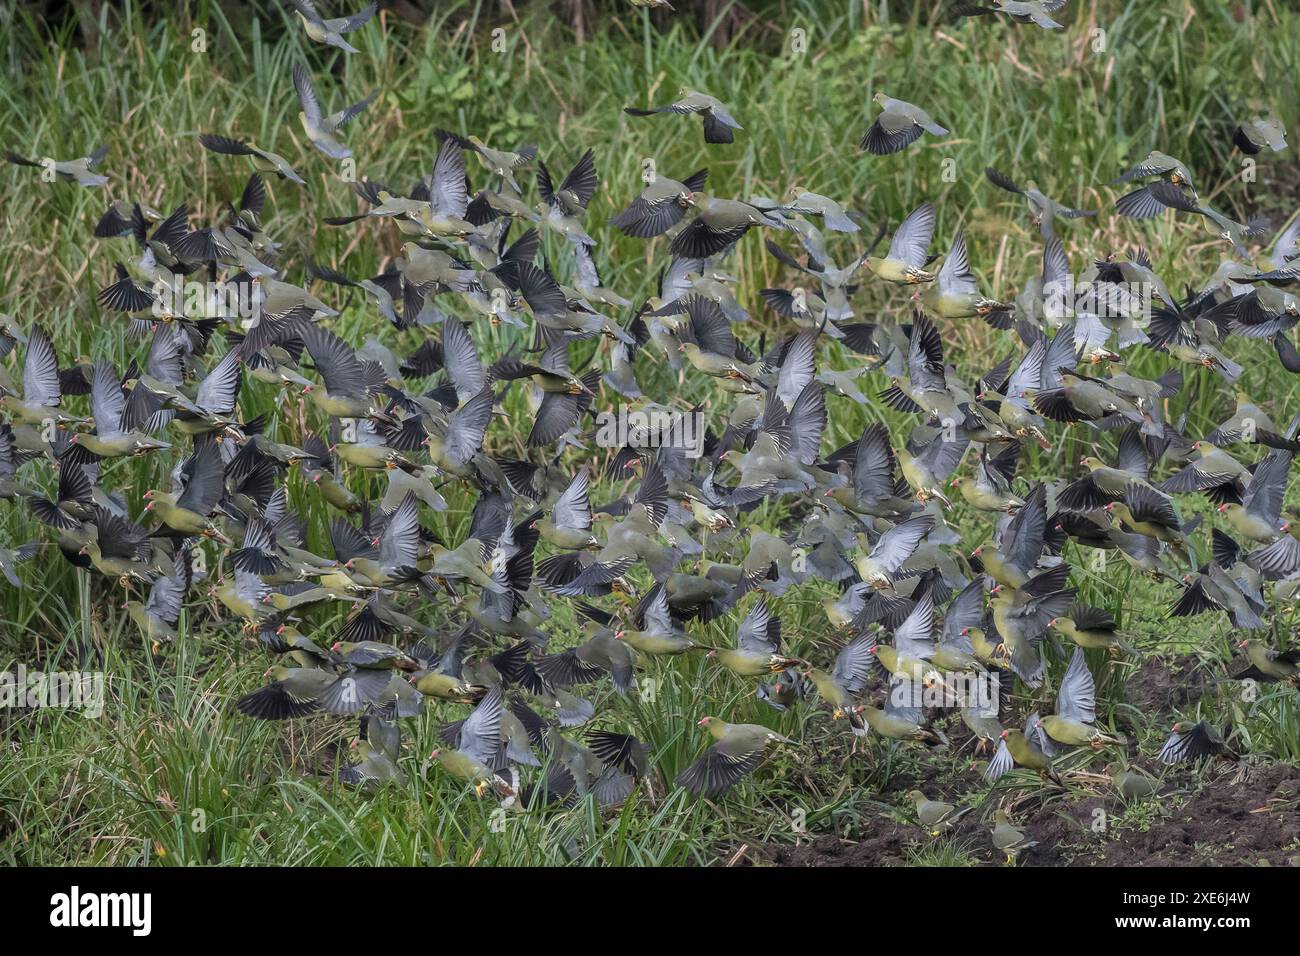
x,y
170,775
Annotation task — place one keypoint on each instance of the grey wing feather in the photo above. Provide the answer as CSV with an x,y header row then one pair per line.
x,y
755,631
1077,698
306,95
955,276
902,702
107,401
899,543
966,610
854,663
399,546
915,636
480,735
448,192
1035,735
467,426
1001,763
912,240
1267,486
572,509
41,372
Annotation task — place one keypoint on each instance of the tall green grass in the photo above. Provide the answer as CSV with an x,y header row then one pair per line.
x,y
1067,110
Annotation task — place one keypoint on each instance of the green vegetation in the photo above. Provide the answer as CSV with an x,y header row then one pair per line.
x,y
170,774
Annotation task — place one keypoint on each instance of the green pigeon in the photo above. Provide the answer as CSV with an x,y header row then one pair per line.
x,y
871,490
955,650
263,160
159,614
1082,399
322,470
569,524
1014,559
1092,628
1043,208
934,815
298,691
736,752
446,680
10,557
1076,709
833,214
955,295
331,31
842,685
758,644
1214,589
658,634
1142,203
884,561
908,249
1036,12
1021,615
718,122
1216,223
1106,483
72,170
990,489
1269,665
1132,783
1189,741
120,421
719,225
319,127
42,390
898,126
1266,130
910,654
374,754
1030,748
1213,472
501,162
599,655
1008,839
1259,515
348,383
569,199
902,716
478,745
191,511
661,205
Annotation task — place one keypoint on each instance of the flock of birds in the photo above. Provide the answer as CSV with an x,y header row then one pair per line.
x,y
912,615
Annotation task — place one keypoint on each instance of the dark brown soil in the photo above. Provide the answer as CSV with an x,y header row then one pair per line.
x,y
1231,814
887,847
1161,685
1235,818
1229,823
